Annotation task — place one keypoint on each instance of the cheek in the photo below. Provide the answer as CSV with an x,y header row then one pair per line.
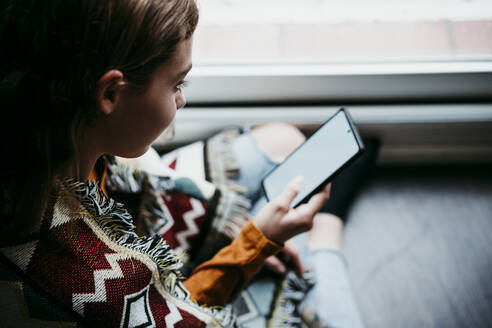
x,y
152,116
163,113
170,110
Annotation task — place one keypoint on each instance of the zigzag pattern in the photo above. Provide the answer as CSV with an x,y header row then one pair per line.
x,y
173,316
189,217
100,277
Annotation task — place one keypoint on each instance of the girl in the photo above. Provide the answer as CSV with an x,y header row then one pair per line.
x,y
86,81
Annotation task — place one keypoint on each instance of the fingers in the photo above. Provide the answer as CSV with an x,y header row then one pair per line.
x,y
316,202
291,250
275,264
292,255
327,190
290,192
269,218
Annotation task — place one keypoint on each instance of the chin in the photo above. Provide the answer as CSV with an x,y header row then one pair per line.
x,y
135,154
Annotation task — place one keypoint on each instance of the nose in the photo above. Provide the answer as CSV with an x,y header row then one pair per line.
x,y
181,101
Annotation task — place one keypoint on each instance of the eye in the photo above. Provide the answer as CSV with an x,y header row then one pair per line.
x,y
181,85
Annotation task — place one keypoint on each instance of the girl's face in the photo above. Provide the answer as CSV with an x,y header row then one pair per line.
x,y
141,117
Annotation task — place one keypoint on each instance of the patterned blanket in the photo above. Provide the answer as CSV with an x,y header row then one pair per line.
x,y
87,262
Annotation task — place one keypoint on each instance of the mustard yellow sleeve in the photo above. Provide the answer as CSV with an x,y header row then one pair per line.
x,y
218,280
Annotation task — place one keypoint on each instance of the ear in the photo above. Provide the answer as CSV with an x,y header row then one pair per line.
x,y
109,91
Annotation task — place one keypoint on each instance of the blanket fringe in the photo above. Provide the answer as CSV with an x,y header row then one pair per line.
x,y
291,292
223,167
115,221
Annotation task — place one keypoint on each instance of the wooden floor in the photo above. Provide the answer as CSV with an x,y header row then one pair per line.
x,y
419,246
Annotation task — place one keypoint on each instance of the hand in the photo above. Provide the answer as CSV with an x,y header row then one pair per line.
x,y
279,222
291,251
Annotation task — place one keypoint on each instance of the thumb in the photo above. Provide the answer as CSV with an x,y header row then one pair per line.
x,y
290,192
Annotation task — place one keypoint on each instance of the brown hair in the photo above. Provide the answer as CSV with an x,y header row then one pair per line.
x,y
52,53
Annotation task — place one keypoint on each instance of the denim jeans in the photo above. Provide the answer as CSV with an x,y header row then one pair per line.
x,y
331,297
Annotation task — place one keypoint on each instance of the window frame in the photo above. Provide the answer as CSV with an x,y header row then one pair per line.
x,y
342,83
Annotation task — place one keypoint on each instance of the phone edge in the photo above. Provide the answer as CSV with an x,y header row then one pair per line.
x,y
360,144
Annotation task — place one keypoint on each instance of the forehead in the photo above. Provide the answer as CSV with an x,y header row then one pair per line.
x,y
180,62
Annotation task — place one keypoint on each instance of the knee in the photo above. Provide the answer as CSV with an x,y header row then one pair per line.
x,y
278,140
326,232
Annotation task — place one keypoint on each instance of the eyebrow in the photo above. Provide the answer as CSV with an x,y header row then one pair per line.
x,y
186,70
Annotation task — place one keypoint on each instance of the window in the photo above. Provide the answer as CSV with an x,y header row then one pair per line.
x,y
321,31
342,51
416,73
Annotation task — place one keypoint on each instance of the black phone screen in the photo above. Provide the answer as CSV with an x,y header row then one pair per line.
x,y
331,147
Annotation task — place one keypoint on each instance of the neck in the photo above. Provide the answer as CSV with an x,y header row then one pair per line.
x,y
86,165
82,169
88,153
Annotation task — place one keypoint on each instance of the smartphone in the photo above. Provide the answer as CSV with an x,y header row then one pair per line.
x,y
330,149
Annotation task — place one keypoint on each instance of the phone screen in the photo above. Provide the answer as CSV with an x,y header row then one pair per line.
x,y
317,159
